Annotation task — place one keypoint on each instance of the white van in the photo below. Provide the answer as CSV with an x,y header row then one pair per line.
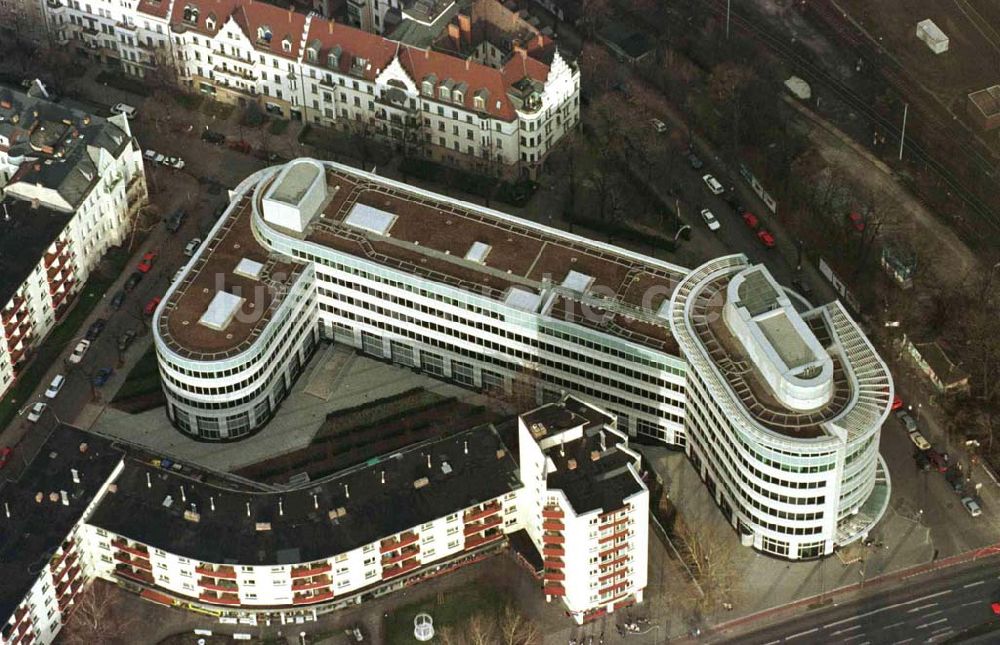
x,y
55,386
124,108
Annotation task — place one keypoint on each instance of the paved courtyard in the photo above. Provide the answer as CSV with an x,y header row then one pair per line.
x,y
336,378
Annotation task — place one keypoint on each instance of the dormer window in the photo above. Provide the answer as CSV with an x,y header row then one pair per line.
x,y
286,44
210,23
479,99
311,55
333,58
444,93
427,85
191,14
264,33
457,96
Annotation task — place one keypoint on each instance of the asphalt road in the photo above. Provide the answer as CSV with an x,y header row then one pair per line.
x,y
936,607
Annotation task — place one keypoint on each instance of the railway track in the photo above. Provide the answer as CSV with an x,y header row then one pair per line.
x,y
894,77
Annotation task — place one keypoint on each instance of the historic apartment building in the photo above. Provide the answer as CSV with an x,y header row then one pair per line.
x,y
779,403
499,112
70,186
89,511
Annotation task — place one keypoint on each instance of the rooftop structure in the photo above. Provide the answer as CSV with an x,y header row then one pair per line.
x,y
44,503
336,515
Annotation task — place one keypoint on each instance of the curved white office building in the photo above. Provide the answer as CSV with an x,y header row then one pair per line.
x,y
779,407
785,405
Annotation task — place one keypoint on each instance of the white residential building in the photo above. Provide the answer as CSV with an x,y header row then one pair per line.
x,y
70,186
506,115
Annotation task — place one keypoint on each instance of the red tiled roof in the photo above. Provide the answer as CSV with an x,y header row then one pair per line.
x,y
219,9
354,43
158,8
283,24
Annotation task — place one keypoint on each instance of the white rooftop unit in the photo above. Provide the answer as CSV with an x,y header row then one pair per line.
x,y
221,310
478,252
249,269
520,298
577,281
369,218
931,34
296,195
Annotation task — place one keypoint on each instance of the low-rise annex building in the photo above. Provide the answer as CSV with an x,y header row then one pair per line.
x,y
511,307
71,184
187,539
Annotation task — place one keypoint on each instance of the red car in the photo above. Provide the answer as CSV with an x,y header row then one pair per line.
x,y
765,237
897,402
996,608
147,261
751,220
857,221
151,305
5,454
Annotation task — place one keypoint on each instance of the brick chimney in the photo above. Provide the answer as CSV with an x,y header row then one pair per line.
x,y
465,26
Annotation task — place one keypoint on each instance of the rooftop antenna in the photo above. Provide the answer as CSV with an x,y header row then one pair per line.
x,y
281,508
149,482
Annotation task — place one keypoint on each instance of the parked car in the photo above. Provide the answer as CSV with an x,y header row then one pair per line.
x,y
920,457
972,506
133,280
995,606
919,441
213,137
658,125
710,221
938,460
765,238
126,339
750,220
192,246
151,155
907,420
173,162
147,261
713,184
36,412
897,403
57,384
695,162
118,299
124,108
78,351
151,306
102,376
5,454
856,220
95,329
175,220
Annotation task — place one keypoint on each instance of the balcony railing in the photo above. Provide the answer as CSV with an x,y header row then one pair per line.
x,y
553,525
478,540
404,554
397,543
553,589
305,572
228,573
553,550
224,599
482,526
553,563
478,514
553,538
316,583
552,513
216,585
399,569
139,576
303,599
134,550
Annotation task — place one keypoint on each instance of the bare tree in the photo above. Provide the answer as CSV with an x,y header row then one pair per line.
x,y
710,553
515,628
481,630
96,617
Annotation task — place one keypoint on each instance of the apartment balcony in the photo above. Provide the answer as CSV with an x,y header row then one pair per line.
x,y
613,537
217,585
219,599
490,522
486,511
392,544
404,554
553,550
479,540
553,589
305,599
124,26
610,576
552,513
306,572
613,550
553,525
553,574
124,571
233,73
228,573
135,562
399,569
233,57
615,588
317,583
613,525
122,545
553,563
553,538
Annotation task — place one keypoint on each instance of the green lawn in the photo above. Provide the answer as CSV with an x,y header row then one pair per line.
x,y
447,610
62,334
144,378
